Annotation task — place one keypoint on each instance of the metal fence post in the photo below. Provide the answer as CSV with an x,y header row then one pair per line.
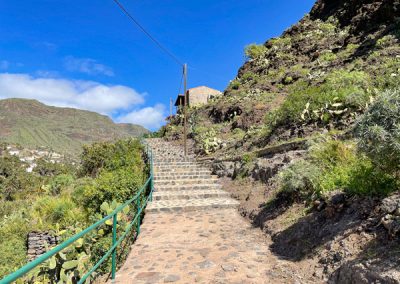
x,y
151,176
138,219
114,253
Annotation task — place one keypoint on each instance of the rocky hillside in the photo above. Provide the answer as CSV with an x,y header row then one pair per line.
x,y
343,52
300,137
33,124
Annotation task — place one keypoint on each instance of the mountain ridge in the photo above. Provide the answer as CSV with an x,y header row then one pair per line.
x,y
31,123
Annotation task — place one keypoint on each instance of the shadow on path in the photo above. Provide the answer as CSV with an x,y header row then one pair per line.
x,y
318,228
378,262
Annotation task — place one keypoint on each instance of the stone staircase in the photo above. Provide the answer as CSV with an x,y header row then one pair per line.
x,y
181,183
184,239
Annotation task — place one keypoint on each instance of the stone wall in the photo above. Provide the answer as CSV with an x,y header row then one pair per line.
x,y
39,242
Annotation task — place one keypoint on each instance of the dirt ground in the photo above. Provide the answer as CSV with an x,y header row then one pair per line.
x,y
342,243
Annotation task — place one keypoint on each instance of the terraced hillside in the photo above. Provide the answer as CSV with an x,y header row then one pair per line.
x,y
33,124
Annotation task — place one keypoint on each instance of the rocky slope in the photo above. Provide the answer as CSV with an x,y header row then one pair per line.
x,y
33,124
309,85
342,52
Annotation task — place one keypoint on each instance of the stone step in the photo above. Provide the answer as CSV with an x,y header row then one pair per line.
x,y
170,152
186,187
183,177
178,166
186,172
189,194
182,174
170,160
191,204
208,180
179,170
160,164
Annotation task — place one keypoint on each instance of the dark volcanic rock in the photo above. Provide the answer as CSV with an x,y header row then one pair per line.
x,y
362,15
361,273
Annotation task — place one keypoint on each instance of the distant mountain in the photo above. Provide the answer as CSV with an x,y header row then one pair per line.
x,y
33,124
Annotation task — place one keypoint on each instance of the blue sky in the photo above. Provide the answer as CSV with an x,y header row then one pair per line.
x,y
87,54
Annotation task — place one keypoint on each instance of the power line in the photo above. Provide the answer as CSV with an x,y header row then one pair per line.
x,y
169,53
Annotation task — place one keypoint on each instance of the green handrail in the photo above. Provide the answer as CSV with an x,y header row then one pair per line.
x,y
112,250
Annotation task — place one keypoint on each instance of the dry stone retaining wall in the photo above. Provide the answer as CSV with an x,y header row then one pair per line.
x,y
39,242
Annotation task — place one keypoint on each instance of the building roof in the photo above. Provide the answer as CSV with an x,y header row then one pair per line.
x,y
204,90
201,90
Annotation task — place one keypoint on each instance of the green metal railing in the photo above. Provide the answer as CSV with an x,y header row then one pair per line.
x,y
149,184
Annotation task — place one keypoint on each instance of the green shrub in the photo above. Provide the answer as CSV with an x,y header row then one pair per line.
x,y
386,70
299,178
386,41
61,210
52,210
288,80
254,51
366,179
336,160
300,70
234,85
328,56
110,156
378,131
248,76
238,134
339,86
10,207
93,158
15,182
348,51
47,168
327,27
13,254
335,165
13,230
119,185
281,43
248,158
60,182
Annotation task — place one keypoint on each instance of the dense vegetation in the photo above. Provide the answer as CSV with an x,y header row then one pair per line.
x,y
64,199
64,130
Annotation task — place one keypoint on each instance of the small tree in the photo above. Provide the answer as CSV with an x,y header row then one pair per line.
x,y
378,131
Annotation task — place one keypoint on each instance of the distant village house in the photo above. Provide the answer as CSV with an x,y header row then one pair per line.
x,y
196,97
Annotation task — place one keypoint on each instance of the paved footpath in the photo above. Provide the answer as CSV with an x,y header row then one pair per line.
x,y
193,233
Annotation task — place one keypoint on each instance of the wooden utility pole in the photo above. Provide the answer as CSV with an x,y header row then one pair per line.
x,y
170,109
185,107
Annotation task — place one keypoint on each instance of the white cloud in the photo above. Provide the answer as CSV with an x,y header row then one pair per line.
x,y
47,73
149,117
86,95
88,66
4,64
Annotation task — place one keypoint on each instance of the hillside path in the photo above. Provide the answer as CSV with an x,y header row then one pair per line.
x,y
193,233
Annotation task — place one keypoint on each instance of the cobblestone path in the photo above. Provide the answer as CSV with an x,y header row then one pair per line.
x,y
192,232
